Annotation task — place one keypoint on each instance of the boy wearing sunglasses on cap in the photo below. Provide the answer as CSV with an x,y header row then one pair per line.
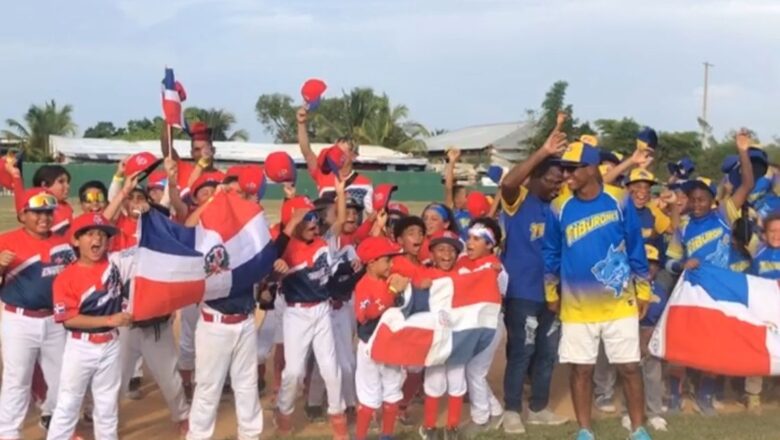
x,y
484,235
53,178
306,322
30,258
92,320
378,385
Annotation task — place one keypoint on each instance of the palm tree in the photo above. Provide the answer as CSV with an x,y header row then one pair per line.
x,y
41,122
220,121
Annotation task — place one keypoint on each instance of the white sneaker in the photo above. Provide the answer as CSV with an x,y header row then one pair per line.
x,y
658,423
545,417
626,423
513,423
605,405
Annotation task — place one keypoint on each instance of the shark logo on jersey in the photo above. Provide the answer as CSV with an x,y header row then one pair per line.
x,y
720,256
613,270
217,260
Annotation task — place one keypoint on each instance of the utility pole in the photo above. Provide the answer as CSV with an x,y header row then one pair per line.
x,y
706,129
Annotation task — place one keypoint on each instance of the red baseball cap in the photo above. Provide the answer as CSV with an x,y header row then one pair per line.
x,y
373,248
446,236
157,179
280,167
88,221
234,172
397,208
38,199
477,204
290,205
141,162
312,91
382,194
252,180
209,178
331,159
199,131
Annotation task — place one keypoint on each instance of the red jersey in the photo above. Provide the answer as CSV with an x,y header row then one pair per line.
x,y
490,262
360,234
28,280
407,268
184,169
372,298
92,290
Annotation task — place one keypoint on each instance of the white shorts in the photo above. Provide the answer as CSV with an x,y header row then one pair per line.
x,y
580,342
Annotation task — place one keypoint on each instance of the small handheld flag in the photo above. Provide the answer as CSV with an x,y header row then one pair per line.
x,y
312,91
173,95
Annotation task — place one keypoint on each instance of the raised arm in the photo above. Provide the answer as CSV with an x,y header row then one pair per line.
x,y
510,184
112,210
179,207
640,158
303,141
166,143
341,207
453,154
742,192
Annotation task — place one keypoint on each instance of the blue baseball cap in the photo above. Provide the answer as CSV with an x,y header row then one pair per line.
x,y
682,169
646,139
758,158
580,154
702,183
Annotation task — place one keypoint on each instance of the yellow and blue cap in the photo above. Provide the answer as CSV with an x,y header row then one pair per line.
x,y
641,175
646,139
700,182
580,154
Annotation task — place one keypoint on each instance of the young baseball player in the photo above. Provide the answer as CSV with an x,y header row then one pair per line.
x,y
306,321
53,178
378,385
93,196
437,217
88,301
30,258
484,235
445,246
455,196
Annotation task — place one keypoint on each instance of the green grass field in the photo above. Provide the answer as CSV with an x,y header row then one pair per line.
x,y
736,425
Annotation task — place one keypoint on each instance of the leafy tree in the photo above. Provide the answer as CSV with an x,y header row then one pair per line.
x,y
277,115
104,130
219,120
39,124
544,119
617,134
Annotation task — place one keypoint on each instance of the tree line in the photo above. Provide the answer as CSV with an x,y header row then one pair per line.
x,y
370,119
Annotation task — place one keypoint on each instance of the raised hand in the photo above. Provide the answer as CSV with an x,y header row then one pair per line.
x,y
743,140
555,144
453,154
6,258
302,115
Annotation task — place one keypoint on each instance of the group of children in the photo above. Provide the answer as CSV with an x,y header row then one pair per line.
x,y
343,260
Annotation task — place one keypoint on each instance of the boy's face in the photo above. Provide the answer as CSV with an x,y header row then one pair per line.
x,y
204,194
699,202
351,224
156,194
136,204
380,268
307,230
682,200
60,188
411,240
37,222
93,200
640,193
433,222
444,256
92,245
459,198
578,177
477,247
772,234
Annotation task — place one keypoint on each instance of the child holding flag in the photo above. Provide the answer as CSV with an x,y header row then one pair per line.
x,y
377,385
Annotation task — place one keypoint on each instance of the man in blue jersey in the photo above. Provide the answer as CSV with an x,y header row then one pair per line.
x,y
596,277
532,330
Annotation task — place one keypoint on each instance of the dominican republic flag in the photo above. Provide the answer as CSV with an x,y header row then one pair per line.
x,y
447,324
722,322
173,95
224,255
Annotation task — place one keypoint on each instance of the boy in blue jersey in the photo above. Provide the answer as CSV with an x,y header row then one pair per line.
x,y
456,196
532,330
596,277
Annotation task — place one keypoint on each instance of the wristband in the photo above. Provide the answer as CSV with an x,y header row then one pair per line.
x,y
393,290
204,163
119,177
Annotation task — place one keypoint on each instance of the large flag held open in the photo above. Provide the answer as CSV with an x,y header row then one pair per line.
x,y
447,324
226,254
721,322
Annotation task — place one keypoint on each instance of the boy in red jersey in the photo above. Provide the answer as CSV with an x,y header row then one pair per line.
x,y
377,384
30,258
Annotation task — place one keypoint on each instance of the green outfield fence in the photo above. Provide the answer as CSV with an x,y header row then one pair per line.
x,y
413,186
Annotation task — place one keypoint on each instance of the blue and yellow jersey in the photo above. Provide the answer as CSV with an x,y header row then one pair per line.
x,y
707,238
594,256
655,309
766,263
524,222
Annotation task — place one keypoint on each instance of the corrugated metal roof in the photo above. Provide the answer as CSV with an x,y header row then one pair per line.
x,y
112,150
504,136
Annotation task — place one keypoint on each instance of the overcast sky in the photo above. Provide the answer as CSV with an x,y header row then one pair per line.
x,y
454,63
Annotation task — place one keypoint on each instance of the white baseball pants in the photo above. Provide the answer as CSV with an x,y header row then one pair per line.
x,y
445,379
480,394
84,362
225,348
377,383
308,328
160,358
25,340
344,338
188,317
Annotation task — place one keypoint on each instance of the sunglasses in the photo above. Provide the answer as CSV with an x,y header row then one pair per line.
x,y
42,201
93,197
